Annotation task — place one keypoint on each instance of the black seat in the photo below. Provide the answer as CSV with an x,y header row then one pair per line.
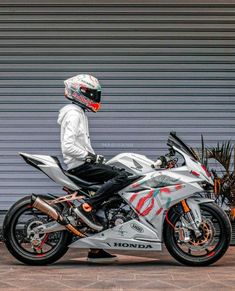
x,y
80,182
93,186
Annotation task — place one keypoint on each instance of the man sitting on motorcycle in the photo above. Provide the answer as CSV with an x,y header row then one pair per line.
x,y
84,91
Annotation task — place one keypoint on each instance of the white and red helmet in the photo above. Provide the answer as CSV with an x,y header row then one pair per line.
x,y
85,90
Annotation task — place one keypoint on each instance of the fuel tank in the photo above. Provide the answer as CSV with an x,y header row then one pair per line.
x,y
133,163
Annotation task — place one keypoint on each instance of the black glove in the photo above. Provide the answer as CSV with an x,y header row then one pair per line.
x,y
94,159
164,161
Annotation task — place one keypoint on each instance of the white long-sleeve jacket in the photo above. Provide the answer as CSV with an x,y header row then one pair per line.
x,y
75,140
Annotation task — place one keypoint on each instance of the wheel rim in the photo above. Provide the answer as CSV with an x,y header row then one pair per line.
x,y
206,245
23,222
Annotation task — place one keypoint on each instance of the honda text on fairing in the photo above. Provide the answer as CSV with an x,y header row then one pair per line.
x,y
157,206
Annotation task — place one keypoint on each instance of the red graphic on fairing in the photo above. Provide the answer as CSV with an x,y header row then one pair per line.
x,y
144,205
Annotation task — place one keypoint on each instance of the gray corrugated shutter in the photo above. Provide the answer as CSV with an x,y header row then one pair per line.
x,y
164,65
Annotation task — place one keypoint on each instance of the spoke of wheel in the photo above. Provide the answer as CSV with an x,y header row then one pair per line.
x,y
38,214
49,244
34,213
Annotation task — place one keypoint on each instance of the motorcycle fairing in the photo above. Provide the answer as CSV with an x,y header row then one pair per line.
x,y
134,163
51,168
131,235
151,203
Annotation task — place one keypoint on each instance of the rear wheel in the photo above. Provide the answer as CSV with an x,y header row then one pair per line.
x,y
23,244
206,249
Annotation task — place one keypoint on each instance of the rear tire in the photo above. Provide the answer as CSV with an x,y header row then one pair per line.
x,y
221,247
26,257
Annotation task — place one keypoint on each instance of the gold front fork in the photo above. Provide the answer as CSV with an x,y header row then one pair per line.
x,y
189,217
185,206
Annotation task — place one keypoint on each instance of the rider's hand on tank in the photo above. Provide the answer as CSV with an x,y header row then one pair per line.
x,y
95,159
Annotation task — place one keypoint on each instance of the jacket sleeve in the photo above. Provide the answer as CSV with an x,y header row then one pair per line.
x,y
69,146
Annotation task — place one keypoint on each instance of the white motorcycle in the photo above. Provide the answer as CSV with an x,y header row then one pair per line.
x,y
158,206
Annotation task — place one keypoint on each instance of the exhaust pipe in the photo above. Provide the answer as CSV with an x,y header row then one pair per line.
x,y
45,208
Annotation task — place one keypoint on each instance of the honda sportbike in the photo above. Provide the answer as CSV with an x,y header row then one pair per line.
x,y
156,207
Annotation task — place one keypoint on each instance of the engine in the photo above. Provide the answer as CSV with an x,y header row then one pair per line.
x,y
116,212
120,215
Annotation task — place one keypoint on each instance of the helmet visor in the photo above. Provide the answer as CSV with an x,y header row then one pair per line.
x,y
92,94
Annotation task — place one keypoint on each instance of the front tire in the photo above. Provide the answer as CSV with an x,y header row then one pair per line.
x,y
14,232
220,241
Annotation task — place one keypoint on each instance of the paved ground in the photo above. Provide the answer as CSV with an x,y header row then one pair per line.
x,y
156,272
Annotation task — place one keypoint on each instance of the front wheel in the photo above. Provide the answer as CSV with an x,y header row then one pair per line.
x,y
209,247
17,228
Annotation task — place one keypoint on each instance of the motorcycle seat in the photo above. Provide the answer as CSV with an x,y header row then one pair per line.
x,y
82,183
94,186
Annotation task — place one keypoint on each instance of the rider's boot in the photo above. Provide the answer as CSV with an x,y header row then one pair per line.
x,y
100,256
87,214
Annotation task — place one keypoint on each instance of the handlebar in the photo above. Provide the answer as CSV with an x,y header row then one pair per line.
x,y
166,161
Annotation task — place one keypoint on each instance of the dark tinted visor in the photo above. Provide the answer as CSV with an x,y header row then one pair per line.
x,y
92,94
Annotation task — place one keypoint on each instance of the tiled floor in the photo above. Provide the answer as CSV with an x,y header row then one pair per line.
x,y
158,271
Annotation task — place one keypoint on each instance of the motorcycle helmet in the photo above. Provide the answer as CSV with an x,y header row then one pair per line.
x,y
84,90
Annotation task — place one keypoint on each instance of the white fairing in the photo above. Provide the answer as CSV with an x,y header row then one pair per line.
x,y
134,163
151,201
52,170
157,191
193,165
131,235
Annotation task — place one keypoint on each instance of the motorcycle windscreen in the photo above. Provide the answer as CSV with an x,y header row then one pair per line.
x,y
175,141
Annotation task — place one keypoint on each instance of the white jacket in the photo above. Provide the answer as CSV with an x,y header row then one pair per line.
x,y
75,140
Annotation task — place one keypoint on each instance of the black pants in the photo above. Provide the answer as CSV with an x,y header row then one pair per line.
x,y
114,179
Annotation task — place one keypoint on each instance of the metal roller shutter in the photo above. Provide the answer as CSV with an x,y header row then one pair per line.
x,y
164,65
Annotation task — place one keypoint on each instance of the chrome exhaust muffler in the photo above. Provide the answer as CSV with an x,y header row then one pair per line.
x,y
45,208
